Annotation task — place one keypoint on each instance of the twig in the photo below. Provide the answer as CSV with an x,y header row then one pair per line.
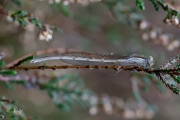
x,y
148,31
43,67
158,72
161,72
5,100
41,52
170,62
138,69
135,90
3,11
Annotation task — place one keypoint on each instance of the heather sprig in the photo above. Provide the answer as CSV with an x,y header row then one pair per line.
x,y
167,76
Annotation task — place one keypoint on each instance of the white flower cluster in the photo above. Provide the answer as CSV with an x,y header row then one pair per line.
x,y
118,107
45,34
170,62
67,2
157,36
174,20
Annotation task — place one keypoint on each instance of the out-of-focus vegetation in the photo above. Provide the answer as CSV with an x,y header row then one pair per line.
x,y
32,28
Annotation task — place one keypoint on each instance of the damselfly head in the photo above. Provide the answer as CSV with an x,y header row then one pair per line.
x,y
150,61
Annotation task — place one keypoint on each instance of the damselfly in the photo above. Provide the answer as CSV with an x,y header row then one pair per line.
x,y
84,58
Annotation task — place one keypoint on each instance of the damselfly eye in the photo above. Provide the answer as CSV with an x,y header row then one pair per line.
x,y
150,61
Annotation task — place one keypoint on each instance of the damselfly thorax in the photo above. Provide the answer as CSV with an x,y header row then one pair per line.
x,y
83,58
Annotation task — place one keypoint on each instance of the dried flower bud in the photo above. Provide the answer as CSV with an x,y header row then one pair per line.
x,y
148,114
57,1
170,7
93,100
9,18
167,21
66,2
174,44
145,36
45,35
170,47
164,39
108,108
143,25
2,55
119,103
139,113
153,34
175,20
93,110
128,114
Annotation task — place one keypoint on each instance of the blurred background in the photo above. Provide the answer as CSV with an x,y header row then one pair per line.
x,y
89,28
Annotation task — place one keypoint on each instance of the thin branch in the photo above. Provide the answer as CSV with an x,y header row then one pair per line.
x,y
163,74
172,14
3,11
43,67
160,73
135,90
41,52
115,67
24,18
148,31
6,100
170,62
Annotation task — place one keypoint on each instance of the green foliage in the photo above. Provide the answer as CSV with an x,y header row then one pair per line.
x,y
65,10
17,2
177,79
8,85
148,80
36,22
65,90
161,3
155,3
23,17
140,4
175,89
8,108
28,58
1,63
177,66
8,72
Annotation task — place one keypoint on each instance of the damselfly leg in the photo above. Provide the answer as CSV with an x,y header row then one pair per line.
x,y
118,70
